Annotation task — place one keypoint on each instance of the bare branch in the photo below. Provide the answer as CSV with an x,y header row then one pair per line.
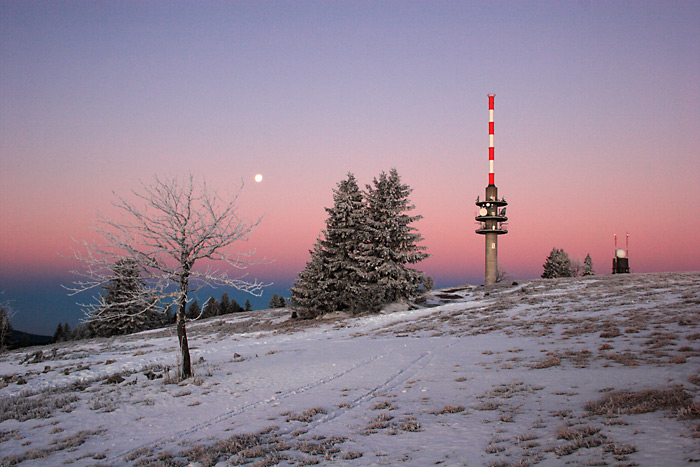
x,y
165,229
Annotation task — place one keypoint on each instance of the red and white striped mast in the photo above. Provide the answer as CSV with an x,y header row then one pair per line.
x,y
490,218
491,151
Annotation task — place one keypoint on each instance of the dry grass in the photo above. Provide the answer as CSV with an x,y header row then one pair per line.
x,y
306,416
649,400
547,362
28,406
237,450
70,443
579,437
384,405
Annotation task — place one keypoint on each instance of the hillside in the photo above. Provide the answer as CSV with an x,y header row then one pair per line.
x,y
596,371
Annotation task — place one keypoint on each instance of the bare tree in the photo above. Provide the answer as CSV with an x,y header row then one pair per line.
x,y
171,225
501,275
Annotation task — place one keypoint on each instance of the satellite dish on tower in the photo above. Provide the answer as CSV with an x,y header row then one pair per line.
x,y
483,212
620,253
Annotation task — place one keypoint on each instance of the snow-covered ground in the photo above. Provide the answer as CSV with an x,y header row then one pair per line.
x,y
593,371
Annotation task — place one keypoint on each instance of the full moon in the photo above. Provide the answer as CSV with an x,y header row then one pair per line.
x,y
258,178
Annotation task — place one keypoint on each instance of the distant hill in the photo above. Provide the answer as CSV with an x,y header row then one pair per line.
x,y
25,339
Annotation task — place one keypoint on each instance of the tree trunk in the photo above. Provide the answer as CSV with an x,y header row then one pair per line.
x,y
185,364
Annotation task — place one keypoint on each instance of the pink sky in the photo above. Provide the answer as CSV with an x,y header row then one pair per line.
x,y
597,117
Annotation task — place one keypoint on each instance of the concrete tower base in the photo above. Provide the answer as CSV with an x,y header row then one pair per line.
x,y
491,264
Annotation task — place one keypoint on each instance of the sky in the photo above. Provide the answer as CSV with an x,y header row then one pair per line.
x,y
597,126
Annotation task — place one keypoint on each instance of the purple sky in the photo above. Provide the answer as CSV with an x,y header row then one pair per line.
x,y
597,117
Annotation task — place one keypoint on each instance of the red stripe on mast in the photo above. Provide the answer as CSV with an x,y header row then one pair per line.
x,y
491,138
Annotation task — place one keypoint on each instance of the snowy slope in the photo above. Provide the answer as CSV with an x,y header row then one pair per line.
x,y
479,376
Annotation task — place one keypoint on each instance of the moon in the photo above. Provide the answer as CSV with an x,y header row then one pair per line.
x,y
258,178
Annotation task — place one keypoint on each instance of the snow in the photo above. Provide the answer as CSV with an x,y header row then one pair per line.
x,y
479,376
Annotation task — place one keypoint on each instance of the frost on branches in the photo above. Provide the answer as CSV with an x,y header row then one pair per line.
x,y
359,261
588,266
127,306
557,264
168,227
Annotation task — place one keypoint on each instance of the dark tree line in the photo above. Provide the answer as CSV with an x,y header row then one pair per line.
x,y
277,301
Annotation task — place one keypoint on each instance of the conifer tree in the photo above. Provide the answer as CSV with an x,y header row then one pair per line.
x,y
235,307
58,333
211,308
248,306
335,274
274,301
557,264
359,261
309,294
588,266
194,310
126,308
225,304
392,241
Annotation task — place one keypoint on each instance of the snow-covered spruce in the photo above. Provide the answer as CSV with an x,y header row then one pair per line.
x,y
359,261
557,264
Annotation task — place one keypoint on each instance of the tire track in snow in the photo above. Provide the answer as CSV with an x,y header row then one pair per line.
x,y
239,410
401,376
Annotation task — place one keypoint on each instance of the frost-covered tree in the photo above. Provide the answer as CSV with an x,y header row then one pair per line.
x,y
127,307
359,261
576,267
391,239
336,270
588,266
169,227
557,264
309,292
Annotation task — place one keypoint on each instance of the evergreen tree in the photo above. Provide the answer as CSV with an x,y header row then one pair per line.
x,y
194,310
225,305
343,247
392,242
126,308
359,261
588,266
58,333
210,308
334,275
248,306
168,316
235,307
308,292
282,302
274,301
67,332
557,264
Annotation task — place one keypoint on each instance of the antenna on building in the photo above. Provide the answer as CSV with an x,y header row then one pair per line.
x,y
620,263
